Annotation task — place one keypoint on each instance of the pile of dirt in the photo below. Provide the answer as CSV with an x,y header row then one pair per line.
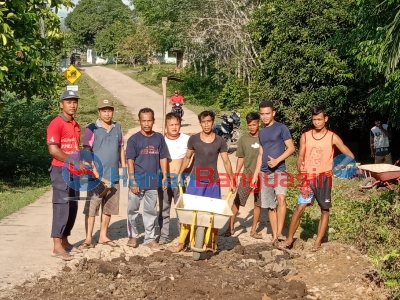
x,y
251,272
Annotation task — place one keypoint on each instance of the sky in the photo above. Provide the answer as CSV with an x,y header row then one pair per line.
x,y
63,12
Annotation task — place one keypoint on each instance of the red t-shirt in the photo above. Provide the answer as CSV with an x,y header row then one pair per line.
x,y
64,133
175,99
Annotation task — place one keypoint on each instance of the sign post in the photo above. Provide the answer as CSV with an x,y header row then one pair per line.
x,y
164,88
72,74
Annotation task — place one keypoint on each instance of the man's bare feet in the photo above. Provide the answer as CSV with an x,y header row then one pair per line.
x,y
153,245
178,248
67,246
132,243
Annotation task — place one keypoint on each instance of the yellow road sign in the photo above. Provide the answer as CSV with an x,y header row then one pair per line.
x,y
72,74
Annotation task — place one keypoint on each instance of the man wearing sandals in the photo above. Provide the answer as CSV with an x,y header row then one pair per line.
x,y
206,146
247,153
147,154
63,136
105,139
315,162
177,147
274,138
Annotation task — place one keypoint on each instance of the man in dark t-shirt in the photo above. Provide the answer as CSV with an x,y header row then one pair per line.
x,y
274,138
206,146
146,153
204,178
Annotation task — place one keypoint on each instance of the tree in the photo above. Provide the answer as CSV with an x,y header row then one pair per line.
x,y
90,17
31,46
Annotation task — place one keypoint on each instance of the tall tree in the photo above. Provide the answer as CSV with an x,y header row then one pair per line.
x,y
92,16
31,46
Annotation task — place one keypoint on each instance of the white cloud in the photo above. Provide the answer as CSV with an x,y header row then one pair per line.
x,y
63,12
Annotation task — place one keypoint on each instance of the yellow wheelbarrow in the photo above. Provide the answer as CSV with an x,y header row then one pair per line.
x,y
202,216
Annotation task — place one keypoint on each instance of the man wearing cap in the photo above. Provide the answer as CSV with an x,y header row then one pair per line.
x,y
105,139
63,137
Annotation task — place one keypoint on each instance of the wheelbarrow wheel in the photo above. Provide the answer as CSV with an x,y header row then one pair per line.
x,y
368,182
199,242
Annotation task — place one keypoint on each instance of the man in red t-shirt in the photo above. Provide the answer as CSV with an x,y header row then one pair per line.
x,y
63,136
176,98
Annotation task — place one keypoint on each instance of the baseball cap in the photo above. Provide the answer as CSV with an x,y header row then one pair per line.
x,y
105,103
68,95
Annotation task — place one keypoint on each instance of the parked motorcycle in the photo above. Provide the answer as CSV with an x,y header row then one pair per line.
x,y
177,108
229,128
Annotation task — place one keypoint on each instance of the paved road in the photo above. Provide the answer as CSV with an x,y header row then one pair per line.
x,y
25,235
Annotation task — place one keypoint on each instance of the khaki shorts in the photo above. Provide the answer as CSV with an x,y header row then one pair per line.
x,y
109,204
271,185
387,159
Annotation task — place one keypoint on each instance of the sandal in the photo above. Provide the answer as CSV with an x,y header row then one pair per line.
x,y
315,248
256,235
177,249
58,255
283,246
132,243
109,243
281,238
85,246
73,249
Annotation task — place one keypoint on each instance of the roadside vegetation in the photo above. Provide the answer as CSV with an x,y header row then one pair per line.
x,y
24,155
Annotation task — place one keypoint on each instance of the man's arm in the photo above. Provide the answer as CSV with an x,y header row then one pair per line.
x,y
190,166
164,168
131,177
337,141
386,131
122,157
302,152
258,166
185,163
371,143
56,152
273,162
239,164
228,169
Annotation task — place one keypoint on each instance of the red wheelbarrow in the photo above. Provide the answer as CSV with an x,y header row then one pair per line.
x,y
376,174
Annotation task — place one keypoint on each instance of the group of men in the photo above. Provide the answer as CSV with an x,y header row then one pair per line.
x,y
158,163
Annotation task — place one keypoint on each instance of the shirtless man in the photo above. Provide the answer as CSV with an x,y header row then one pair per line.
x,y
177,146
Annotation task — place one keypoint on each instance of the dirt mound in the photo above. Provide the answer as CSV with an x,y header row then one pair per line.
x,y
251,272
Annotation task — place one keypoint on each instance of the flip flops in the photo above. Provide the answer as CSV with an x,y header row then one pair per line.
x,y
58,255
73,249
110,243
283,245
85,246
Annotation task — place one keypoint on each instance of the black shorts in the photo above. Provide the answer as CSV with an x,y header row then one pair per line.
x,y
321,188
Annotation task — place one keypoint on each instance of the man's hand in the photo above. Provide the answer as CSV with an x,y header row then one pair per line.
x,y
301,167
254,182
232,187
135,188
164,185
273,162
372,153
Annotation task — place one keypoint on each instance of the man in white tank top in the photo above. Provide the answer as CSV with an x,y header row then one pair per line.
x,y
379,141
177,146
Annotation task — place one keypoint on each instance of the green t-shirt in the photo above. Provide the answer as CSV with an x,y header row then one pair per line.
x,y
248,147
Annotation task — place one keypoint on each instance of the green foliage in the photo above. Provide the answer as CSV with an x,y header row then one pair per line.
x,y
30,52
94,17
233,95
23,145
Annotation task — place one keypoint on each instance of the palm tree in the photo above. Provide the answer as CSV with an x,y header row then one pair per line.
x,y
390,53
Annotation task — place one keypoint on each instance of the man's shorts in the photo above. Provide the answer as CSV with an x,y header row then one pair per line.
x,y
243,193
387,159
272,184
110,202
205,189
320,189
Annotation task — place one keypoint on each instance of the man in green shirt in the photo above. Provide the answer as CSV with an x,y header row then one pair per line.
x,y
247,153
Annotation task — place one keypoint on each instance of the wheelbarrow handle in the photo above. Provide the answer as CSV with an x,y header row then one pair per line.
x,y
180,188
229,196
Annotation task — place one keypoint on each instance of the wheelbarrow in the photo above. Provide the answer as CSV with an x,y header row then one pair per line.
x,y
202,216
376,174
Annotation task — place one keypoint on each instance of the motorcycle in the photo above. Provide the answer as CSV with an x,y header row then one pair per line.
x,y
177,109
229,128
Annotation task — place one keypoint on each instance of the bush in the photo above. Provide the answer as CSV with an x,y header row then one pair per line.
x,y
23,145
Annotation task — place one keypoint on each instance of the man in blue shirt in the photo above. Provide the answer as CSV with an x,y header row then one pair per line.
x,y
146,152
274,138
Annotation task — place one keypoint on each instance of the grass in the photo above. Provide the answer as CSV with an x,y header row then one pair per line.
x,y
17,193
